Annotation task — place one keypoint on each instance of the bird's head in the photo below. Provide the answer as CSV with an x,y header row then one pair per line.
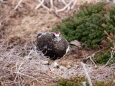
x,y
56,36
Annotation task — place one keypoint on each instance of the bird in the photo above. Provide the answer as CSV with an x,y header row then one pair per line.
x,y
52,44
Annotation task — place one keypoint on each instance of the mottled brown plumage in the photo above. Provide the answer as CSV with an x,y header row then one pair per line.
x,y
53,45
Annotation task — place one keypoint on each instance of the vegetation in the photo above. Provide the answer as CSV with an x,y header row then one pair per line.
x,y
101,83
78,81
103,56
88,25
22,65
94,27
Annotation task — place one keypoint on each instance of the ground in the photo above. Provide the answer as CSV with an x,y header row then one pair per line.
x,y
21,64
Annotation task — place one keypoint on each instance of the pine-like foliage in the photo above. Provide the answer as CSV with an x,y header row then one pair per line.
x,y
103,56
88,25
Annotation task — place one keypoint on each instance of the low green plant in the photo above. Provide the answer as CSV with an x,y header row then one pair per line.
x,y
77,81
103,56
102,83
88,25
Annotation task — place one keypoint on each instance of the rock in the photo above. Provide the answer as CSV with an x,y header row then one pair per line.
x,y
69,66
45,62
63,68
76,43
55,65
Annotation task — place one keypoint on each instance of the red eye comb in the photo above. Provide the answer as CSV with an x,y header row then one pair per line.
x,y
55,32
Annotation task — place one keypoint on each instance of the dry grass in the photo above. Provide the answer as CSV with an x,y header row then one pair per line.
x,y
20,63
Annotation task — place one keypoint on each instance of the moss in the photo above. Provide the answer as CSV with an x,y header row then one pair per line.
x,y
88,25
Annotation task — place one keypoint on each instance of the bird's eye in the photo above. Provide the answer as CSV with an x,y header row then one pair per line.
x,y
54,36
39,35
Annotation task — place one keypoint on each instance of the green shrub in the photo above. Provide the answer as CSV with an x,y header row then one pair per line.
x,y
107,83
100,83
88,25
103,56
77,81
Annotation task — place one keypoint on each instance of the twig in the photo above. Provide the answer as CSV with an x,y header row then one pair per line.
x,y
1,0
19,67
63,1
60,10
44,6
42,1
51,3
107,1
2,84
87,75
26,75
112,53
39,4
113,1
59,0
90,57
18,4
74,3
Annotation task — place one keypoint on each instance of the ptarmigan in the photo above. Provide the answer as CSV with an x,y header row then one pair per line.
x,y
52,44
